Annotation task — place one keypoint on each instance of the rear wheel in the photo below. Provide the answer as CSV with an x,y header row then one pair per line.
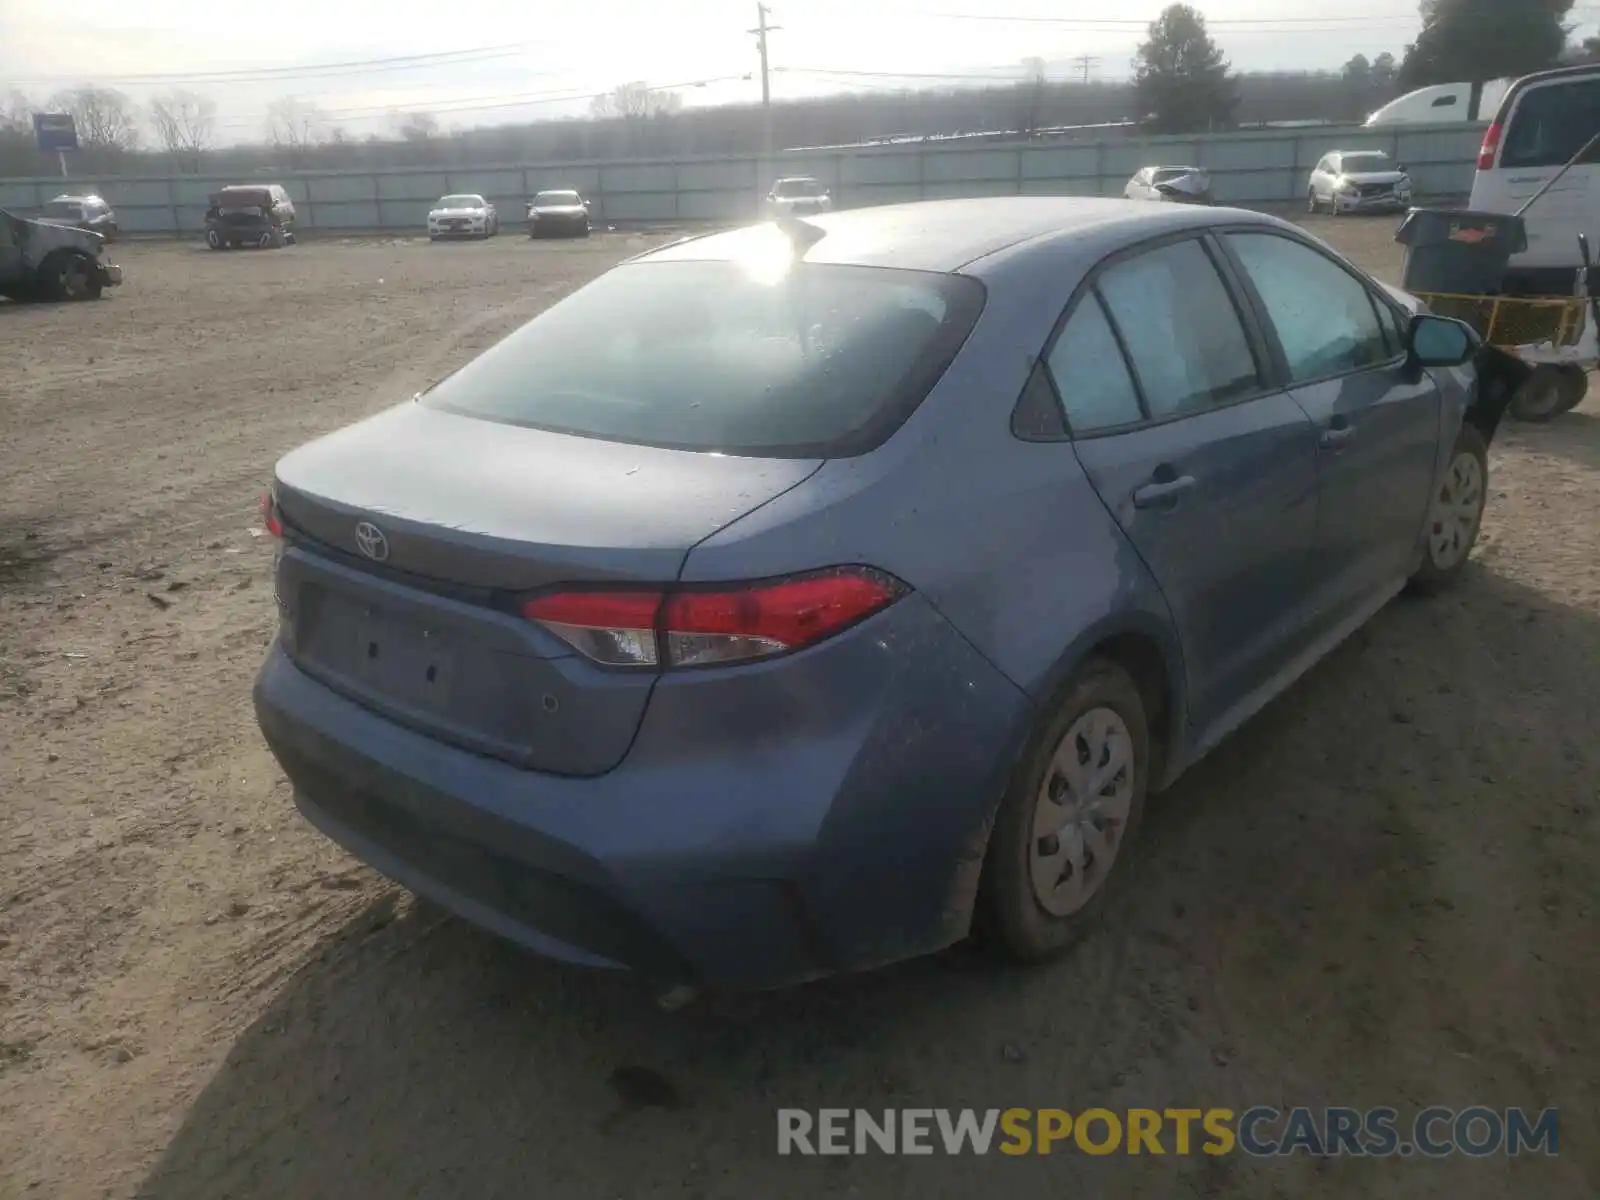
x,y
1574,387
1061,837
215,240
1455,515
1311,202
1539,398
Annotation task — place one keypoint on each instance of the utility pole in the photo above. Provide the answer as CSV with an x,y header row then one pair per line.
x,y
760,31
1086,63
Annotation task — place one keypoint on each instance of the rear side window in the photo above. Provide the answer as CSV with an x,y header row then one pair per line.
x,y
1323,315
1550,124
1090,374
1188,347
821,361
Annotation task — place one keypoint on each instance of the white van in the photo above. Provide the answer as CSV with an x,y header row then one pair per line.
x,y
1543,121
1443,103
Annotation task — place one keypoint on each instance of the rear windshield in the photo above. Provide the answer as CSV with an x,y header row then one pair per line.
x,y
1168,174
461,202
1356,164
799,187
244,198
63,208
826,361
553,199
1552,123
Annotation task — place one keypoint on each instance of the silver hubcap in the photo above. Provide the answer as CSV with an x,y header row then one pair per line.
x,y
1081,812
1456,510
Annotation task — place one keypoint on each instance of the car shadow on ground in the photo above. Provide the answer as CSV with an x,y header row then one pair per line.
x,y
1574,436
1332,909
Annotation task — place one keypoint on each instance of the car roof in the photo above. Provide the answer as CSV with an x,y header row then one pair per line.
x,y
75,197
947,235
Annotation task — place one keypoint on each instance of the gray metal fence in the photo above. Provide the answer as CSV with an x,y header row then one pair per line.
x,y
1246,168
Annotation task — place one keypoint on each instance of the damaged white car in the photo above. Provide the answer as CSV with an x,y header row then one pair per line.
x,y
44,261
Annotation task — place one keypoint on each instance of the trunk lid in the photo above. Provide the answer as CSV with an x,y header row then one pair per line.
x,y
411,537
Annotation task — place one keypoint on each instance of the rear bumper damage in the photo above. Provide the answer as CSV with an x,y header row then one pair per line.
x,y
769,825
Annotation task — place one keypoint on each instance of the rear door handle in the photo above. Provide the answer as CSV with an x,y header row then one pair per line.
x,y
1154,495
1337,439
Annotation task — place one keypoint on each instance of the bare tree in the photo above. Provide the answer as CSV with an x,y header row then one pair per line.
x,y
185,122
636,99
415,127
16,113
295,125
105,118
1033,93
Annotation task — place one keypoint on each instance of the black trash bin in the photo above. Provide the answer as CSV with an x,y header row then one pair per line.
x,y
1458,252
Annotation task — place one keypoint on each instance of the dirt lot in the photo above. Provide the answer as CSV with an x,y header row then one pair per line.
x,y
1383,891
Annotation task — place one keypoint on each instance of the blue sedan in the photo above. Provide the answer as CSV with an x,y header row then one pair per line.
x,y
801,598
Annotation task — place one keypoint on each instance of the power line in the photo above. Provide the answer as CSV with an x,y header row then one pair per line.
x,y
311,71
485,103
969,76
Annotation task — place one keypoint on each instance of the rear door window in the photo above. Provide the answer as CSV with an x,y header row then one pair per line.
x,y
753,358
1552,123
1090,374
1187,344
1324,316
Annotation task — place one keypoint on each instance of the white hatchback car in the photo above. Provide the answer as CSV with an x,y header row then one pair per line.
x,y
1356,181
462,215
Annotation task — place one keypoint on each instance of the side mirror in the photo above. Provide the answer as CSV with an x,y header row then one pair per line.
x,y
1442,341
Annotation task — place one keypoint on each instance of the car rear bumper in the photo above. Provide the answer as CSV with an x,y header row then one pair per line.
x,y
557,226
772,824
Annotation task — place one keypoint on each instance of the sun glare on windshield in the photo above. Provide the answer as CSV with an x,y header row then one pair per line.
x,y
767,255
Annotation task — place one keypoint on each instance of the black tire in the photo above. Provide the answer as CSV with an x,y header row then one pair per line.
x,y
1012,914
1574,387
67,275
1441,569
1539,398
215,240
584,232
1312,206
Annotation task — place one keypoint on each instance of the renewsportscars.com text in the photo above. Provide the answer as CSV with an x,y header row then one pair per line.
x,y
1477,1132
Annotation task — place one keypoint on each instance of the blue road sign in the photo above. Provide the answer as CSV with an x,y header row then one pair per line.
x,y
55,131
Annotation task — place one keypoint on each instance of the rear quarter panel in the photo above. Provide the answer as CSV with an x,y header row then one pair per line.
x,y
1006,538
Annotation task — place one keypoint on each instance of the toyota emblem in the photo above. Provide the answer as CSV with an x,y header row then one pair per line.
x,y
371,541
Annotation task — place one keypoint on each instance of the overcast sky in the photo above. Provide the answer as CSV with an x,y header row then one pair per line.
x,y
537,56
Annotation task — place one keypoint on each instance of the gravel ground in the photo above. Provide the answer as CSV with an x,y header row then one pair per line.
x,y
1382,891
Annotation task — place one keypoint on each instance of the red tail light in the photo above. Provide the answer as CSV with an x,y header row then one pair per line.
x,y
269,515
694,626
1491,147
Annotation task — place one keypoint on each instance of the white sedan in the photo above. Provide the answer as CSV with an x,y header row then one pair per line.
x,y
462,216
